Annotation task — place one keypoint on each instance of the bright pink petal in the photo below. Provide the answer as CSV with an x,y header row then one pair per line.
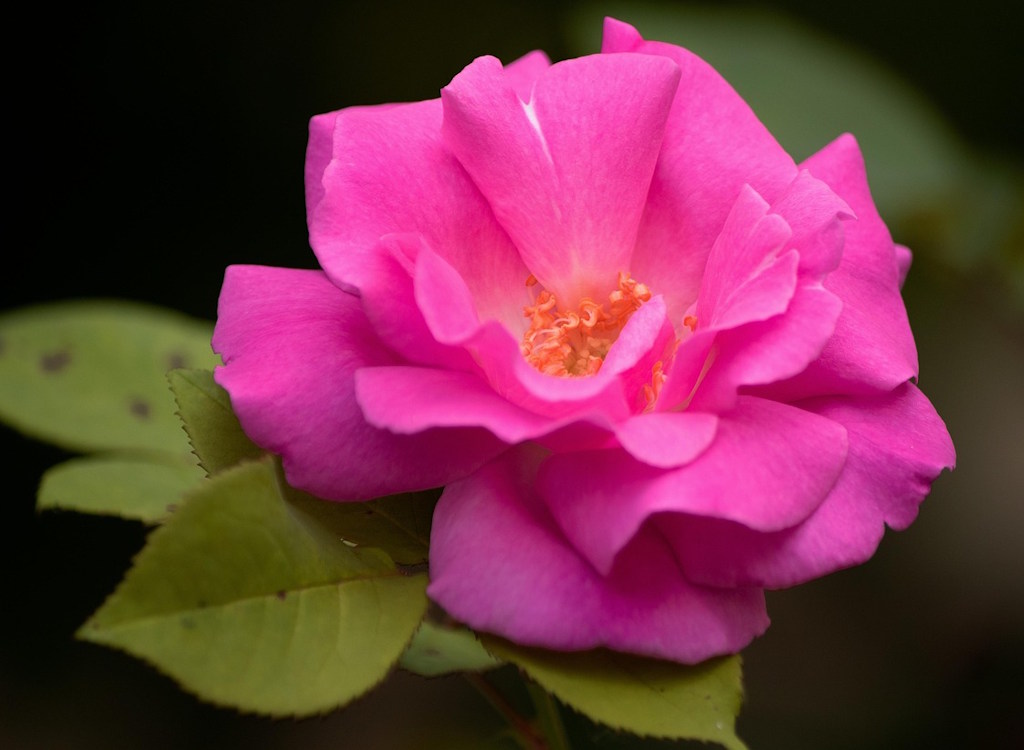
x,y
319,151
667,439
389,301
734,289
523,73
898,446
769,467
761,292
748,278
901,440
768,351
292,342
613,393
408,400
817,217
498,563
872,348
389,173
566,174
904,258
713,145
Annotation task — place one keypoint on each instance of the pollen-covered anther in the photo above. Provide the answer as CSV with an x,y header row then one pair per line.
x,y
653,389
571,343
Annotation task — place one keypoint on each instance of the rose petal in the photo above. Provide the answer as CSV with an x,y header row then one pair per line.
x,y
898,446
566,174
291,343
714,145
612,394
904,258
872,348
817,217
902,442
389,173
389,301
319,152
768,351
408,400
745,278
769,467
748,278
771,315
499,564
523,73
667,439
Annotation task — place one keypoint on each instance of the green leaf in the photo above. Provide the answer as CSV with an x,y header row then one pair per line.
x,y
143,488
212,427
89,376
440,649
639,695
249,602
397,524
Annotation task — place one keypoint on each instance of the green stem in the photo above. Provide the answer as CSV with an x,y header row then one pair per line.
x,y
526,735
549,716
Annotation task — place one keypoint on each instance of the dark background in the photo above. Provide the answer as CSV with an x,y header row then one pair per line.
x,y
155,144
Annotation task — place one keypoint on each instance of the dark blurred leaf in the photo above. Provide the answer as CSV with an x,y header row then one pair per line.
x,y
643,696
89,375
142,488
438,649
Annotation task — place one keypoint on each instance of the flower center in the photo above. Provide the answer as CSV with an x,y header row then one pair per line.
x,y
571,343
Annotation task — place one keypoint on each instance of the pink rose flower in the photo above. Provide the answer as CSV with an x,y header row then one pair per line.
x,y
657,366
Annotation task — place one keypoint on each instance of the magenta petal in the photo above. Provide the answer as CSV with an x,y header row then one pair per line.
x,y
904,258
667,439
389,173
292,342
408,400
844,531
872,348
745,278
567,173
523,73
898,445
713,145
389,301
764,303
900,440
499,564
319,152
768,351
769,467
612,394
815,215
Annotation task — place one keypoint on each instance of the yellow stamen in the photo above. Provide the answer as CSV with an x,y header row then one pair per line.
x,y
653,389
571,343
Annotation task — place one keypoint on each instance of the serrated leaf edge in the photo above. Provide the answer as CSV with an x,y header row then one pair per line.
x,y
507,651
